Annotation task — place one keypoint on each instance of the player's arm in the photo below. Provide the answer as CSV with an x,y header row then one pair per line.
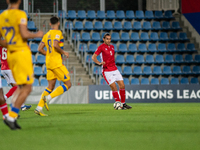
x,y
2,42
94,58
58,49
41,48
28,35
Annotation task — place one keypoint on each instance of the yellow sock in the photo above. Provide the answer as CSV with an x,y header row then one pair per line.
x,y
45,93
59,90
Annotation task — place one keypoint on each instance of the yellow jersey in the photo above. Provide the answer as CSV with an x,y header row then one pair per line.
x,y
9,28
53,58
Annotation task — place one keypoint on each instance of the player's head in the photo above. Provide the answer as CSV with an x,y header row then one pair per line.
x,y
107,38
13,1
54,21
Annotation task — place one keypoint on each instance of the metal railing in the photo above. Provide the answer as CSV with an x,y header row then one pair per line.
x,y
73,75
37,17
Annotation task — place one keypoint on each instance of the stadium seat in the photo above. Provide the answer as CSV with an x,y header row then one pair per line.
x,y
1,11
175,25
41,59
26,11
194,81
157,70
33,59
122,48
126,81
115,36
95,37
184,81
158,15
4,82
167,70
154,36
191,47
147,70
120,14
120,59
36,82
144,81
115,47
69,25
132,48
127,26
110,14
31,26
98,25
81,14
173,36
176,70
45,70
183,36
78,25
83,47
164,36
135,81
197,58
174,81
154,81
120,69
178,59
142,48
139,59
149,14
188,58
76,36
88,59
139,14
162,47
108,25
149,59
127,70
168,14
101,15
187,70
130,14
125,36
96,70
137,25
166,25
171,47
196,70
181,47
156,25
146,25
92,48
159,59
152,47
88,25
71,15
91,15
34,48
38,71
144,36
135,36
85,37
137,70
130,59
169,59
103,82
117,26
43,82
164,81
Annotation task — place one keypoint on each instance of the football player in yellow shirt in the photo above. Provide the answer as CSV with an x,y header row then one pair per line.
x,y
54,42
13,28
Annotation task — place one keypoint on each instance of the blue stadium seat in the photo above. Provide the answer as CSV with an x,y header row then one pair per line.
x,y
69,25
149,14
171,47
164,81
152,47
117,26
164,36
108,25
125,36
159,59
135,81
31,26
191,47
36,82
144,36
157,70
196,70
120,69
147,70
137,70
127,26
34,48
81,14
96,70
184,81
178,59
145,81
78,25
120,59
135,36
183,36
176,70
41,59
98,25
88,25
83,47
132,48
127,70
168,14
92,48
194,81
146,25
43,82
142,48
38,71
85,37
188,58
95,37
154,36
176,25
91,15
88,59
45,70
162,47
174,81
139,59
197,58
173,36
33,59
101,15
139,14
115,36
120,14
126,81
62,14
75,36
130,14
130,59
103,82
149,59
167,70
158,15
156,25
154,81
123,48
181,47
166,25
169,59
71,15
110,14
187,70
137,25
115,47
4,82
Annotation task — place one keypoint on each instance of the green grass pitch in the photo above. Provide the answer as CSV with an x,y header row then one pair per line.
x,y
160,126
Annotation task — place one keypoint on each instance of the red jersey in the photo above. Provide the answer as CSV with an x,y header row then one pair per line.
x,y
107,54
3,53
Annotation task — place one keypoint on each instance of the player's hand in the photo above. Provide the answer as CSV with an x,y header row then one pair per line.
x,y
66,54
102,63
40,33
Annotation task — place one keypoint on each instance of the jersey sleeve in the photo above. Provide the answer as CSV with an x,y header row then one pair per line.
x,y
58,36
22,18
98,51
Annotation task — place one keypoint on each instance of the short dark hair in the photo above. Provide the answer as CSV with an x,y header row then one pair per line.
x,y
106,34
54,20
13,1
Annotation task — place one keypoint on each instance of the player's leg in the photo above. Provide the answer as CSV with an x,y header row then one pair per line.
x,y
3,104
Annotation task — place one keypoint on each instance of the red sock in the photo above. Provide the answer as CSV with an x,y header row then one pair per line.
x,y
4,109
11,91
116,96
123,95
